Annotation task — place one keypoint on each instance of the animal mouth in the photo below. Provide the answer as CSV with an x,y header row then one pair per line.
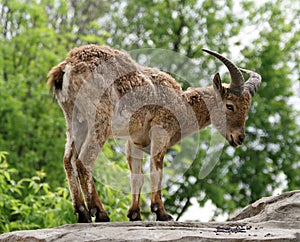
x,y
232,142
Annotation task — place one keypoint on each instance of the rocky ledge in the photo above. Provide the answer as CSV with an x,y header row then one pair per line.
x,y
269,219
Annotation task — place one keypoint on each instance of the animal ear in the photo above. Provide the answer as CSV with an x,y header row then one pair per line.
x,y
217,83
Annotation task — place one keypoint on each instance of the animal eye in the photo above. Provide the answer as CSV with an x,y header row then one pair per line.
x,y
230,107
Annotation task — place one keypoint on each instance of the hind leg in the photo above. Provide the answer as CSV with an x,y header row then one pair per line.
x,y
134,159
72,176
84,164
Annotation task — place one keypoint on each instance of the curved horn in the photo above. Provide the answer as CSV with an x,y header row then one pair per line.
x,y
252,84
237,79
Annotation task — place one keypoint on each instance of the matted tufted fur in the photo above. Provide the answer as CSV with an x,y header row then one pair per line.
x,y
104,93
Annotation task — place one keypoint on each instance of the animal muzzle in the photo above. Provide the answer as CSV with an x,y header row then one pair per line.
x,y
237,138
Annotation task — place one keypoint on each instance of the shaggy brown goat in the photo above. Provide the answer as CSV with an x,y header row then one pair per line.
x,y
104,93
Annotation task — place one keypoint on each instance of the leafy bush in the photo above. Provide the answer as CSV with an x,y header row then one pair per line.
x,y
29,203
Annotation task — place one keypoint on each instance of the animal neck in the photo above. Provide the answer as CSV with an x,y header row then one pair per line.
x,y
202,101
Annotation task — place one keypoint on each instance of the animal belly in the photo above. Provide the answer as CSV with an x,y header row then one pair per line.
x,y
131,129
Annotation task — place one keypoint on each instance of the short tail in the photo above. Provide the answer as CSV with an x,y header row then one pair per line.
x,y
55,76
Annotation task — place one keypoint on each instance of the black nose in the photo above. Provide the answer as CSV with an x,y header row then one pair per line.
x,y
241,138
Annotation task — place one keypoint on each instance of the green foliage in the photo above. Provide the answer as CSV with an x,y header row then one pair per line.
x,y
29,203
36,35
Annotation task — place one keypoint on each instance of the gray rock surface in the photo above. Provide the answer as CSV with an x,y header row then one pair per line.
x,y
284,207
269,219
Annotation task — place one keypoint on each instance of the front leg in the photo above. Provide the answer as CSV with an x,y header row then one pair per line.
x,y
134,158
157,205
159,141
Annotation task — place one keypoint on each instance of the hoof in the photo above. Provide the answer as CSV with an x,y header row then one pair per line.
x,y
166,217
161,214
84,216
102,217
134,215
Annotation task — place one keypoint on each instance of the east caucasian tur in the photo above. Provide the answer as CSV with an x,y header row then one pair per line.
x,y
104,93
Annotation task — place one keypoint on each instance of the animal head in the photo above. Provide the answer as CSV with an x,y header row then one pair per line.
x,y
233,101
